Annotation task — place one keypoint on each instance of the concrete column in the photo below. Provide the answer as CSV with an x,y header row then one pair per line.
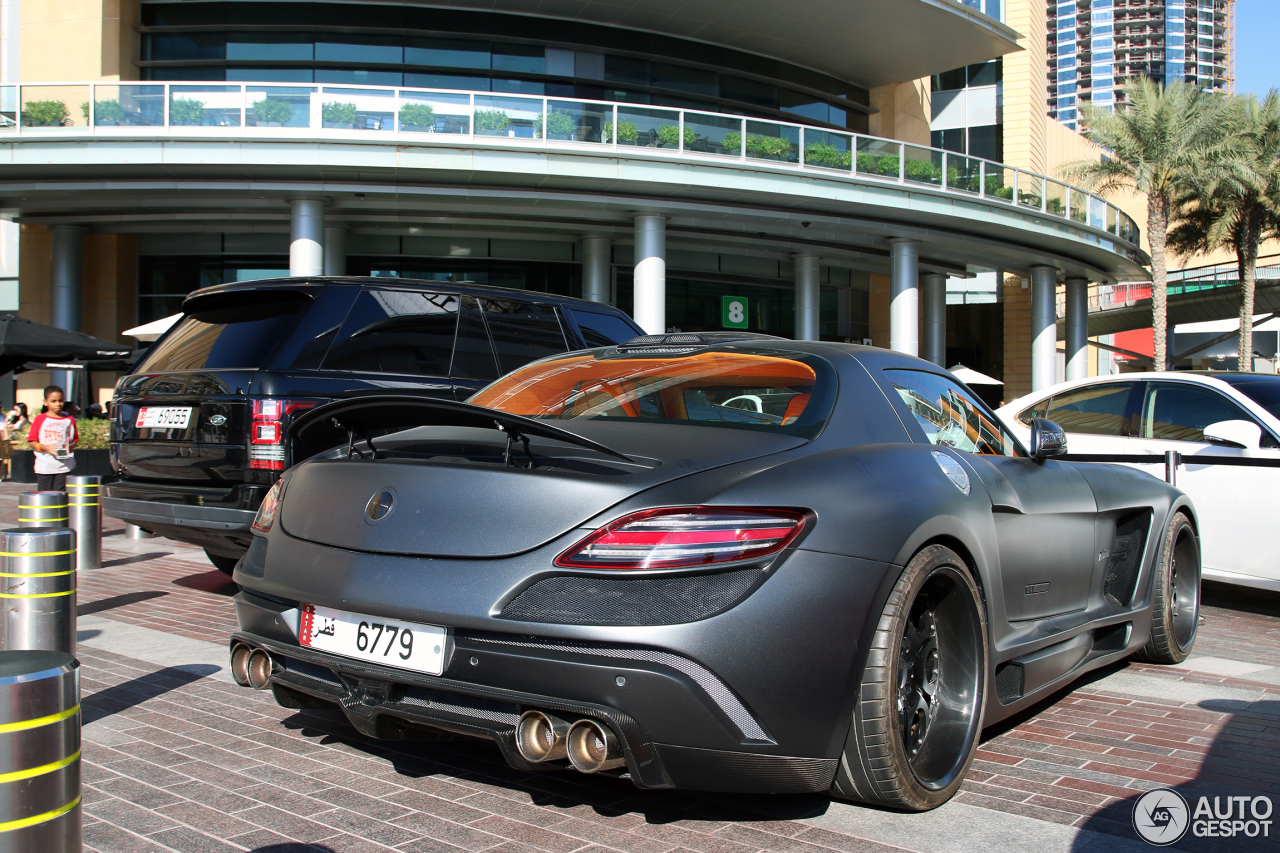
x,y
904,296
807,298
1077,328
1044,327
935,318
306,237
595,269
65,268
650,311
335,250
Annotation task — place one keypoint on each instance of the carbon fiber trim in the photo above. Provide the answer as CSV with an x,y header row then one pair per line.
x,y
591,600
703,677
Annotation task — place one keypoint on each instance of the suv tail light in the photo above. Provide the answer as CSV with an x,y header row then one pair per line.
x,y
266,434
270,506
685,536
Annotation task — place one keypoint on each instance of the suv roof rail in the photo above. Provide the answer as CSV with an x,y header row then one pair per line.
x,y
694,339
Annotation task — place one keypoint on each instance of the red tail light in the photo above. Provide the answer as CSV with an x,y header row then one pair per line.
x,y
685,536
266,435
270,506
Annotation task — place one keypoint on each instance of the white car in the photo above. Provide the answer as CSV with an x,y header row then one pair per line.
x,y
1196,414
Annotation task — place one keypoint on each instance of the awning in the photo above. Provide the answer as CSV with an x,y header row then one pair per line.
x,y
972,377
154,329
22,341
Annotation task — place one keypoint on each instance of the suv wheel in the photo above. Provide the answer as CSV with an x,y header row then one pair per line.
x,y
226,565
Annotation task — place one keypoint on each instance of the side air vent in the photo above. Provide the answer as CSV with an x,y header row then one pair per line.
x,y
1112,638
1125,562
1009,682
582,600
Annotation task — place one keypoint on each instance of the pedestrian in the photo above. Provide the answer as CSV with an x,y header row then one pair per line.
x,y
53,435
17,422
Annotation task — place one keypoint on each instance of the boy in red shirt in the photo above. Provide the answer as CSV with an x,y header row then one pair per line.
x,y
52,436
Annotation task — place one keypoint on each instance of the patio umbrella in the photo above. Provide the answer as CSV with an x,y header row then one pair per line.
x,y
972,377
23,341
154,329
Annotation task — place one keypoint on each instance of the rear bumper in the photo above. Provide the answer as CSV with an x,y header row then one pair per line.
x,y
572,680
150,513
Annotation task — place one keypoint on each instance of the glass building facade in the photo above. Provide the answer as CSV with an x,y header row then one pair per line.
x,y
385,45
1093,44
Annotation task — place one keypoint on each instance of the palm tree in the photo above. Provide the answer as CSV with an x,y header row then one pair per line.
x,y
1155,143
1235,203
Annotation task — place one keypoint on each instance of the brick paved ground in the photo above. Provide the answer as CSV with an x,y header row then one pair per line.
x,y
179,758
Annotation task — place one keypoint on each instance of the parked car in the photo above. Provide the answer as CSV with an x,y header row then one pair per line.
x,y
1197,414
603,560
200,424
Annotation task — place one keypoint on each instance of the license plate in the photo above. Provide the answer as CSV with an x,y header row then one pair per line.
x,y
390,642
163,417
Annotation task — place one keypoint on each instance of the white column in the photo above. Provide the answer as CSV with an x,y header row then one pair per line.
x,y
935,318
1077,328
904,290
335,250
306,237
65,266
807,298
595,269
1044,327
650,311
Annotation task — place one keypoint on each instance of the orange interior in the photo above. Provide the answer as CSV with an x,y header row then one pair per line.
x,y
580,383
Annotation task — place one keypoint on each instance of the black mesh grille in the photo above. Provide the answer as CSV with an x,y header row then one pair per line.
x,y
1126,558
1009,682
311,670
576,600
1111,638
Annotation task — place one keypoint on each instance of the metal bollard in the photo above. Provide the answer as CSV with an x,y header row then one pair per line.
x,y
133,531
39,752
85,509
39,590
1172,459
42,509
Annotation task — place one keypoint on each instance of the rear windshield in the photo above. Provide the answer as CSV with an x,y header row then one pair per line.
x,y
1264,392
772,390
237,331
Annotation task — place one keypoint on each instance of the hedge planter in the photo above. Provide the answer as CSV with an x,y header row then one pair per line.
x,y
88,463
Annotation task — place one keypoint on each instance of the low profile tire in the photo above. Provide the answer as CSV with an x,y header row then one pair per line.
x,y
1175,595
919,710
226,565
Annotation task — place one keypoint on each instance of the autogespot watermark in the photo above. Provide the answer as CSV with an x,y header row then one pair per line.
x,y
1163,817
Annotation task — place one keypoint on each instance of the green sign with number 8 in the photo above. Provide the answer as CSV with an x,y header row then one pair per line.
x,y
733,312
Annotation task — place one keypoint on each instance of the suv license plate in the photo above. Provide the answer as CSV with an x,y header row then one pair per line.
x,y
163,417
390,642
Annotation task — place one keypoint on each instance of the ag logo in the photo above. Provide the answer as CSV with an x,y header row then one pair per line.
x,y
1161,816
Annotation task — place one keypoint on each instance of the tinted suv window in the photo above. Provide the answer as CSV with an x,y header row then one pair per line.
x,y
949,416
473,357
1092,410
602,330
1177,411
234,330
397,331
523,332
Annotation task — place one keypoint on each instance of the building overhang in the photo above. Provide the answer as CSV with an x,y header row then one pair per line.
x,y
866,42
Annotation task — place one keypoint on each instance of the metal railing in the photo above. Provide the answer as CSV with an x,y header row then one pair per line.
x,y
1110,297
426,116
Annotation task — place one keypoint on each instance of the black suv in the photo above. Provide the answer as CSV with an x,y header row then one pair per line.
x,y
199,431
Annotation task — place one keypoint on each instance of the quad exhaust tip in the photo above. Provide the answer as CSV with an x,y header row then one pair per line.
x,y
593,747
541,737
259,669
240,654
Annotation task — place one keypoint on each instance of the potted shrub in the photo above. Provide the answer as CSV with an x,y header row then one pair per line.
x,y
823,154
418,117
492,122
105,113
338,114
669,134
560,125
186,111
627,132
44,114
272,112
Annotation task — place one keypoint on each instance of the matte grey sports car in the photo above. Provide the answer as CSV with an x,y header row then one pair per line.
x,y
707,561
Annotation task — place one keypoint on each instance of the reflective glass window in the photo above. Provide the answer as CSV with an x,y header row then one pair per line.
x,y
397,331
164,48
269,46
1179,411
378,49
359,77
271,75
986,73
238,332
602,330
522,331
949,417
473,356
627,70
1092,410
446,81
529,59
450,53
683,79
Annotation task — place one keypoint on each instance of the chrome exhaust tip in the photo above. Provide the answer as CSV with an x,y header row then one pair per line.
x,y
541,737
240,654
259,670
593,747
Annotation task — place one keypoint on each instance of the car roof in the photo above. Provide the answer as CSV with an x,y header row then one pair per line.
x,y
313,283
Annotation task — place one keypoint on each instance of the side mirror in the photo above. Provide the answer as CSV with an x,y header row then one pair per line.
x,y
1241,433
1047,440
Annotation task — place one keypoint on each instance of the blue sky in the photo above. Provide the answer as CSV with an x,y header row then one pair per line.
x,y
1257,37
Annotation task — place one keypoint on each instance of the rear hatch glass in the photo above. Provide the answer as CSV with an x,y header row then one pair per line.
x,y
228,331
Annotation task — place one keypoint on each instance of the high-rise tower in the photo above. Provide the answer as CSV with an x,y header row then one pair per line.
x,y
1094,44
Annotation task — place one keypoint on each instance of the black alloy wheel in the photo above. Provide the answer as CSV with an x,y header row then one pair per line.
x,y
1175,595
930,651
